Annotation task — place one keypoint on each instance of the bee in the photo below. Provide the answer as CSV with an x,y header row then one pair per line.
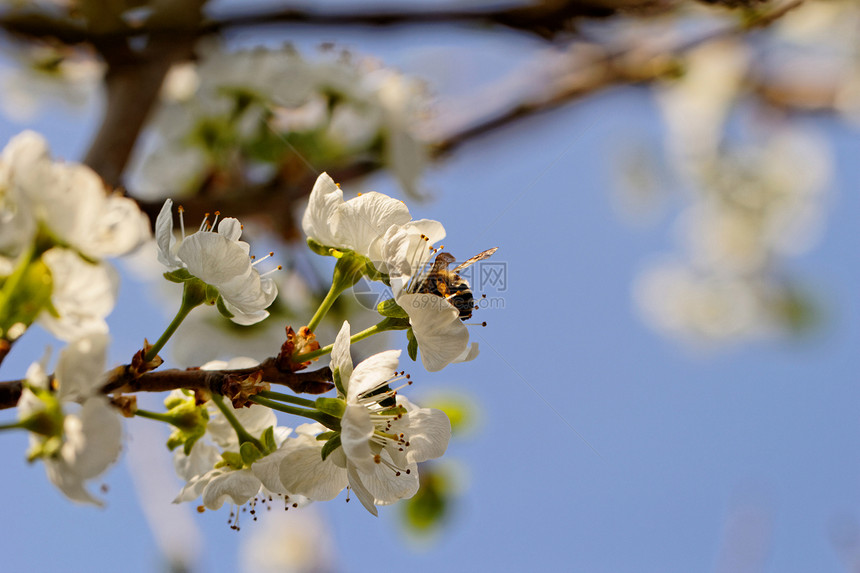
x,y
450,285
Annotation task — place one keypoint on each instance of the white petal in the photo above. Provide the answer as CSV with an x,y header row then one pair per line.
x,y
321,215
213,258
164,238
386,486
372,372
83,295
81,366
230,228
195,486
303,471
93,438
365,219
356,430
469,354
428,431
68,482
441,335
365,497
340,357
267,471
198,462
238,486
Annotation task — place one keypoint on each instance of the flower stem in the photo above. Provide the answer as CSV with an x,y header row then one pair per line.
x,y
191,299
324,307
326,420
11,426
347,271
241,432
386,324
288,398
154,416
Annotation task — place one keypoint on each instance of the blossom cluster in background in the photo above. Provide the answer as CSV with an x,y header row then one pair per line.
x,y
251,117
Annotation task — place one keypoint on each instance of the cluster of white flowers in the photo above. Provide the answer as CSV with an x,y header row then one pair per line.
x,y
753,203
59,219
248,115
73,428
381,229
63,213
376,454
42,76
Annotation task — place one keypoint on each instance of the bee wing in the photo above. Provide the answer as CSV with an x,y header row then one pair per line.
x,y
475,259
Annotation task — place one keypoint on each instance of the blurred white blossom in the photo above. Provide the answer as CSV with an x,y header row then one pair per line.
x,y
240,116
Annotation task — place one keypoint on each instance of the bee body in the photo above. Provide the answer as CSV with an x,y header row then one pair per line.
x,y
451,286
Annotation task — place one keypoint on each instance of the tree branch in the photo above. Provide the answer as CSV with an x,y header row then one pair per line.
x,y
545,19
214,381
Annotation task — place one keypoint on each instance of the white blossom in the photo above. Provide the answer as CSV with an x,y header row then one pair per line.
x,y
70,201
220,259
357,225
88,441
441,335
209,475
381,445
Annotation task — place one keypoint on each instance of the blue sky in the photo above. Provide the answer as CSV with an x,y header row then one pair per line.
x,y
604,447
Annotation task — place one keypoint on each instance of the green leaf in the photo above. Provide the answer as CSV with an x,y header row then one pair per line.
x,y
391,309
325,436
330,446
412,349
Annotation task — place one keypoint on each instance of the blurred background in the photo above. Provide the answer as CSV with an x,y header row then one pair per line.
x,y
668,378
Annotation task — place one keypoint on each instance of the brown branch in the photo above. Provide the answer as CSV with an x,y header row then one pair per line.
x,y
133,82
217,381
10,393
545,19
214,381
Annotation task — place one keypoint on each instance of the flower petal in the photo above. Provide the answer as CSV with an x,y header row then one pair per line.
x,y
428,431
238,486
321,215
364,220
213,258
442,337
164,238
80,367
364,496
372,372
356,430
304,472
340,357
